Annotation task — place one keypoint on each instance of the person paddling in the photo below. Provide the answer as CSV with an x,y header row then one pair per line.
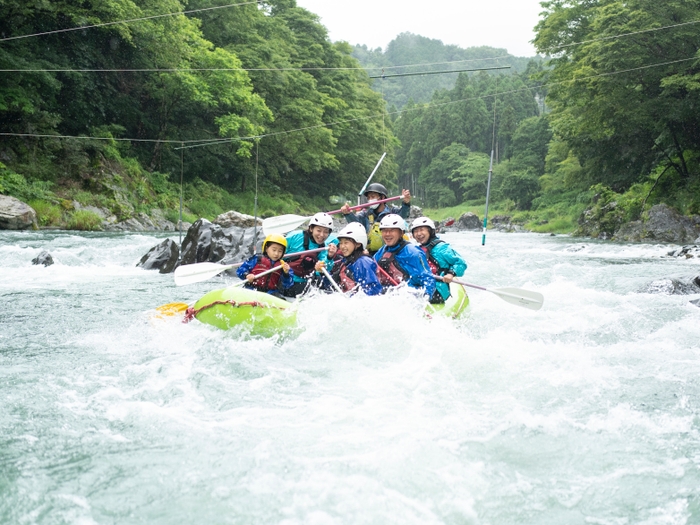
x,y
354,270
273,249
399,261
317,235
372,216
442,259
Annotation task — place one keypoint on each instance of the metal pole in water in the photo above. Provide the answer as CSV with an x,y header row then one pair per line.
x,y
488,192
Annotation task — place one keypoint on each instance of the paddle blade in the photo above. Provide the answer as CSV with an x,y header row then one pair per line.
x,y
282,223
520,297
196,273
171,309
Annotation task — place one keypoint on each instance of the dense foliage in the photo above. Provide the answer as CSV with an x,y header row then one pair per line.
x,y
321,128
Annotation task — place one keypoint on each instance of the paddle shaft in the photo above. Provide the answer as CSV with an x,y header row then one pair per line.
x,y
367,204
258,275
330,278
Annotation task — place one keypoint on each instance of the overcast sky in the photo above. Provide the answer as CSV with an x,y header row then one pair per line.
x,y
497,23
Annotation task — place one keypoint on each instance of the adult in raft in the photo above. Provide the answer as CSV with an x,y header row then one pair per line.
x,y
354,270
442,259
371,217
399,261
317,235
274,283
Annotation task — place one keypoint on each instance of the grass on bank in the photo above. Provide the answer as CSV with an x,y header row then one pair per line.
x,y
557,218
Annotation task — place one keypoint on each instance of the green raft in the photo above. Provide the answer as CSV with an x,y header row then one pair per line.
x,y
266,315
235,307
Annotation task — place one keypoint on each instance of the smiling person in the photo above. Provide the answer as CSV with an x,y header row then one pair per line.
x,y
317,235
372,216
399,261
275,283
354,270
442,259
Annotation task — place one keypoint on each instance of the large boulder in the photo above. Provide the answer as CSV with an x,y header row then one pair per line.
x,y
16,215
234,218
205,242
163,257
469,221
662,224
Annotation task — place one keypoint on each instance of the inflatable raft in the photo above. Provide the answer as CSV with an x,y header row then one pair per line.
x,y
265,315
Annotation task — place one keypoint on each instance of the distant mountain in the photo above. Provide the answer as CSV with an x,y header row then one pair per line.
x,y
415,53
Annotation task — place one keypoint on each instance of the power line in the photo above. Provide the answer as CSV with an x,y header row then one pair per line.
x,y
126,21
210,142
621,35
417,73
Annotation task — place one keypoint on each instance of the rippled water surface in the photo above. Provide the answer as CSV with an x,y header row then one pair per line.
x,y
586,411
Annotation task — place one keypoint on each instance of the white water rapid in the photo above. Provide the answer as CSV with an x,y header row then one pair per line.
x,y
584,412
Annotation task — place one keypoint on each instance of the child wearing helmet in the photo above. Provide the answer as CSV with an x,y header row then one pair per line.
x,y
371,217
317,235
398,261
275,283
442,259
354,270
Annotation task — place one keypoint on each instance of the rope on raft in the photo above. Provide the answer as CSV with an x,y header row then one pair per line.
x,y
191,312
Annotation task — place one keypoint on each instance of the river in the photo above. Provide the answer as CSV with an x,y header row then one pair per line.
x,y
586,411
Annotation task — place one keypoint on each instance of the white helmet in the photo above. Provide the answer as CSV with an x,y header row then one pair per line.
x,y
422,221
392,221
355,231
322,219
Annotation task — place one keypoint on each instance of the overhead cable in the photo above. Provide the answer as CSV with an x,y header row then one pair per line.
x,y
126,21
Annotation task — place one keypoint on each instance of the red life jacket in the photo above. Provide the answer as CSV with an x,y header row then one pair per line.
x,y
342,274
268,282
432,262
391,266
303,266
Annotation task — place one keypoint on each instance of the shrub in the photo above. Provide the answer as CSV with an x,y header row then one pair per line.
x,y
85,220
47,214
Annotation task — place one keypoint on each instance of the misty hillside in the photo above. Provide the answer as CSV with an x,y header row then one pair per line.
x,y
409,51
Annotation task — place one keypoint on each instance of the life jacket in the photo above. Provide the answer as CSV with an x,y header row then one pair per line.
x,y
391,266
432,262
374,236
268,282
342,274
303,266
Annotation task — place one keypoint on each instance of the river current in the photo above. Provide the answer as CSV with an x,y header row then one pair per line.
x,y
584,412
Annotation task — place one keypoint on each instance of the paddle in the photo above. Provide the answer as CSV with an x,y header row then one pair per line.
x,y
286,223
333,283
257,276
517,296
198,272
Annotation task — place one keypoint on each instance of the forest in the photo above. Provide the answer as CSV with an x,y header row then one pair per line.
x,y
234,97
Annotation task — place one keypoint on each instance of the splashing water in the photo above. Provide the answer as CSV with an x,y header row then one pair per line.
x,y
583,412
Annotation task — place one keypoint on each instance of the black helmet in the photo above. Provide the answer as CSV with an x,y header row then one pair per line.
x,y
376,188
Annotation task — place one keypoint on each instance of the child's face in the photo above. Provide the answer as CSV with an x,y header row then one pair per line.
x,y
274,251
421,234
346,246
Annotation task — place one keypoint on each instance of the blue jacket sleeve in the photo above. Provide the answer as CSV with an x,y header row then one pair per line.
x,y
447,257
245,268
287,278
415,263
365,272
